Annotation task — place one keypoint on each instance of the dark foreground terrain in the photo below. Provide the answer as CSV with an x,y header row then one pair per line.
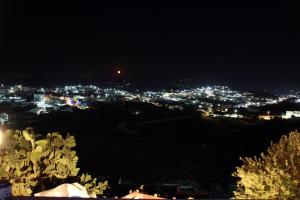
x,y
144,144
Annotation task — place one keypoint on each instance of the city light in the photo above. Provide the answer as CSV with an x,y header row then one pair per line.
x,y
212,101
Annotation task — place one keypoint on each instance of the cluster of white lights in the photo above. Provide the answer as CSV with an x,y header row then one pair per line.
x,y
207,98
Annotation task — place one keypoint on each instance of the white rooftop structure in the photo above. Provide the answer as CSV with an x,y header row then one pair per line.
x,y
65,190
291,114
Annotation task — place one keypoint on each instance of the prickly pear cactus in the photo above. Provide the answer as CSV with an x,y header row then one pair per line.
x,y
28,160
93,187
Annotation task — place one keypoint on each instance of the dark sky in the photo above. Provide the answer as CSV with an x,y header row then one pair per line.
x,y
243,43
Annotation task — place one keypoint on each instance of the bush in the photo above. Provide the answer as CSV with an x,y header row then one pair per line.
x,y
274,174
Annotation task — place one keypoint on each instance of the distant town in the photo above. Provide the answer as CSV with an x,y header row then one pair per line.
x,y
22,102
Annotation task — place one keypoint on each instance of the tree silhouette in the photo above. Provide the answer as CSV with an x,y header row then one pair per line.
x,y
274,174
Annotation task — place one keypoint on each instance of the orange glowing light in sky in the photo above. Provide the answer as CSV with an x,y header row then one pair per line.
x,y
119,72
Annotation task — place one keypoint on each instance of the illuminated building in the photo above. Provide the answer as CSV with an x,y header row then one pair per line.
x,y
266,117
291,114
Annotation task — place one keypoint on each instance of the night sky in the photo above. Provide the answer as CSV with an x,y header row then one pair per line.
x,y
247,44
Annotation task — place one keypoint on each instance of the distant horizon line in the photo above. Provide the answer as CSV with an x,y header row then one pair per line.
x,y
170,85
